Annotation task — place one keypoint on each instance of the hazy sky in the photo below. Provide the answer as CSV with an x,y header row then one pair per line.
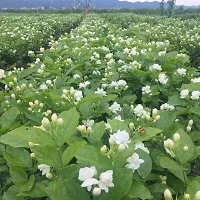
x,y
178,2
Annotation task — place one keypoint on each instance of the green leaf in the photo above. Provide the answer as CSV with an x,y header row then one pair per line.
x,y
97,133
138,190
89,156
67,190
148,134
71,119
18,157
191,87
69,172
20,178
193,187
9,116
38,190
166,120
118,125
146,167
69,153
18,174
122,179
48,155
185,140
168,163
20,137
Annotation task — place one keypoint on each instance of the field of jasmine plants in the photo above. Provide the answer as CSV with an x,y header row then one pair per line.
x,y
108,111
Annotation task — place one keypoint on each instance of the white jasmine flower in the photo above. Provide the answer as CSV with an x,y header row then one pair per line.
x,y
138,110
146,90
106,180
100,92
195,95
76,76
119,118
182,71
2,74
140,145
121,137
196,80
43,86
134,162
44,168
115,107
161,53
88,122
155,67
78,95
85,84
162,78
48,82
184,93
86,175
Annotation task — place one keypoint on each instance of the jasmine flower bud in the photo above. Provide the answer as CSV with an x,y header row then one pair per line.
x,y
96,191
185,148
54,117
103,149
49,175
187,196
167,195
197,195
60,121
176,137
121,147
32,155
189,128
45,122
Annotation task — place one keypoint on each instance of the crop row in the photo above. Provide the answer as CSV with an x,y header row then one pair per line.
x,y
21,33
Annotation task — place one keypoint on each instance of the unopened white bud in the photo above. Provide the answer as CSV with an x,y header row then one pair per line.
x,y
189,128
54,117
60,121
96,191
49,112
164,182
23,86
148,117
19,101
15,79
103,149
36,102
111,141
187,196
31,104
167,195
197,195
30,85
185,148
49,175
30,109
72,91
45,122
81,128
121,147
154,112
32,155
164,178
89,130
131,126
65,91
12,96
31,144
157,117
190,123
176,137
41,105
